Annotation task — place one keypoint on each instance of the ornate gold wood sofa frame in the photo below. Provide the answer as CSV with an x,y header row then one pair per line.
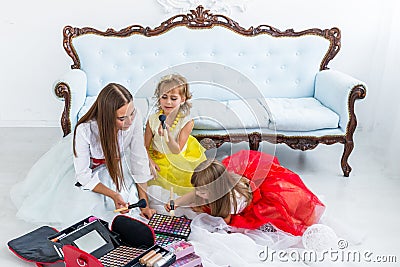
x,y
286,65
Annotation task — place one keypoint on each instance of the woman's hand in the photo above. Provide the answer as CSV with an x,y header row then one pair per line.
x,y
147,212
120,203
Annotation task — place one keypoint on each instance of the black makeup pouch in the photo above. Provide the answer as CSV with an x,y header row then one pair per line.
x,y
35,247
90,243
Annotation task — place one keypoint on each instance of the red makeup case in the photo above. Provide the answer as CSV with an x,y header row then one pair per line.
x,y
90,243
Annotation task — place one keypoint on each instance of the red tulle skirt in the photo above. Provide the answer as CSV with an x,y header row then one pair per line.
x,y
279,195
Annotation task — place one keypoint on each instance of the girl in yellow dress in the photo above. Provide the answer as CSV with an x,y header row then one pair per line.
x,y
173,152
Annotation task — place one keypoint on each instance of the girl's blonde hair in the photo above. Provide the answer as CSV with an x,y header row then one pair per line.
x,y
176,81
220,186
111,98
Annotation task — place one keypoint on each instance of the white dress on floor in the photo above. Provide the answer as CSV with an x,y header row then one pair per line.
x,y
48,194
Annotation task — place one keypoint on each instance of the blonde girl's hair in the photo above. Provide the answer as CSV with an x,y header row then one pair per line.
x,y
175,80
111,98
220,185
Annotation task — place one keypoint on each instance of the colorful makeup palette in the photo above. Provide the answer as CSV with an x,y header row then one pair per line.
x,y
169,229
164,240
120,256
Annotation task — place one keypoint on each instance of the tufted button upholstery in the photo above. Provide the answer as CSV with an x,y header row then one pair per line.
x,y
136,58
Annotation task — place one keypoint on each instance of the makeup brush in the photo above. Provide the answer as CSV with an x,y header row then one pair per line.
x,y
162,119
140,204
172,202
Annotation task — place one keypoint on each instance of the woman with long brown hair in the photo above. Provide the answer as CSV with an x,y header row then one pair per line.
x,y
103,137
102,166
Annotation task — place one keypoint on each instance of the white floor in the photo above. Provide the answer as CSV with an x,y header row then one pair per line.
x,y
366,203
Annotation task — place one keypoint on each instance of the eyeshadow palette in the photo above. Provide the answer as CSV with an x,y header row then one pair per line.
x,y
164,240
120,256
169,229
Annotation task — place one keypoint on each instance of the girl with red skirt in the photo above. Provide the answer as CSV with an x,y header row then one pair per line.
x,y
251,190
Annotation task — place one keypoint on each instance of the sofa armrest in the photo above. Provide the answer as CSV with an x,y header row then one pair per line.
x,y
71,88
338,91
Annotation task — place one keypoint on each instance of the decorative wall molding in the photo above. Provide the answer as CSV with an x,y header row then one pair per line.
x,y
220,6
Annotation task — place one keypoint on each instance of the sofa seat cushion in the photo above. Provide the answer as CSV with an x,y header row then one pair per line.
x,y
300,114
210,114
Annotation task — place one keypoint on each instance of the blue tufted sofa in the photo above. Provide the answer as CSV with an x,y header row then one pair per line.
x,y
256,84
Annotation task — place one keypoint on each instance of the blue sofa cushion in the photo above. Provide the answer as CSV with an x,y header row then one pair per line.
x,y
300,114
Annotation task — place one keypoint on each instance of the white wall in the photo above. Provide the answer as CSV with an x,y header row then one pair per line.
x,y
32,55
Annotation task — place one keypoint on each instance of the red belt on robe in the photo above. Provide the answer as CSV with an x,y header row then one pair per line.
x,y
94,163
97,162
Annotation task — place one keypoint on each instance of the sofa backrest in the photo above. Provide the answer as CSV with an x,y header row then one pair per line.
x,y
210,51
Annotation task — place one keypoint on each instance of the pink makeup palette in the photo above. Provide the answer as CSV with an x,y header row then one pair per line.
x,y
169,229
185,254
180,248
190,260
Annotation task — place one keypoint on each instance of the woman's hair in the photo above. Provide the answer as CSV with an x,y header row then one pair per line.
x,y
220,185
111,98
175,80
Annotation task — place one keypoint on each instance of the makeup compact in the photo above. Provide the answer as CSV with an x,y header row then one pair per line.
x,y
169,229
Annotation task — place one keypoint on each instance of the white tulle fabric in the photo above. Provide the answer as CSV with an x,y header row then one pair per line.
x,y
319,237
218,244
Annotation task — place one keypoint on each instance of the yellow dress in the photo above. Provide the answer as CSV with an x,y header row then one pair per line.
x,y
175,169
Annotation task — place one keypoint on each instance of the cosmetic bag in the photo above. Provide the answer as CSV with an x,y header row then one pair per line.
x,y
35,247
89,243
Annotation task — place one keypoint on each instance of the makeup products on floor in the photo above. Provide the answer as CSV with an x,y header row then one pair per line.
x,y
120,256
143,260
157,258
165,259
169,229
180,248
185,254
190,260
164,240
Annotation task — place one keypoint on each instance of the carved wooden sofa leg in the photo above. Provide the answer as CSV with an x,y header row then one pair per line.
x,y
62,90
358,92
348,148
254,141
